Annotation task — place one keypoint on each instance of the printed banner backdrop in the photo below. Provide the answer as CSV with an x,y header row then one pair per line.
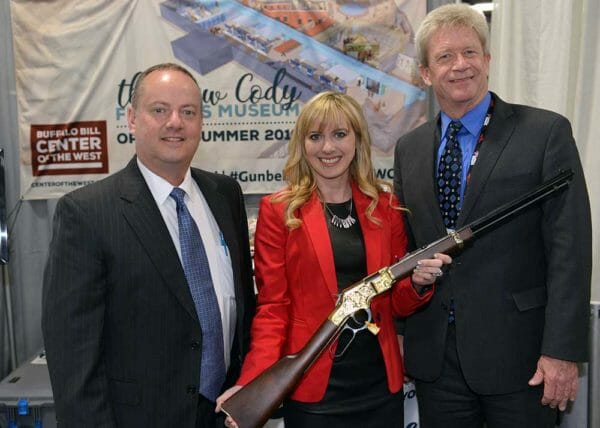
x,y
257,62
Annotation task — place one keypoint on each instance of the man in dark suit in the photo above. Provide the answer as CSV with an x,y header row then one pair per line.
x,y
500,340
122,333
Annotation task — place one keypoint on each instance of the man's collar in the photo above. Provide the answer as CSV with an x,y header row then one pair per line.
x,y
472,120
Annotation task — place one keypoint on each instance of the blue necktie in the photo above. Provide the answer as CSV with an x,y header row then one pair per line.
x,y
197,273
449,176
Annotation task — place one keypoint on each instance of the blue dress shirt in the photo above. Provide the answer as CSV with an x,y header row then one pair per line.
x,y
472,123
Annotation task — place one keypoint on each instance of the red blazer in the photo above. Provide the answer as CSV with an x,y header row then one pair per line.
x,y
297,288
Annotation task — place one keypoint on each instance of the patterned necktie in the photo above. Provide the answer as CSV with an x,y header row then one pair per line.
x,y
197,273
449,176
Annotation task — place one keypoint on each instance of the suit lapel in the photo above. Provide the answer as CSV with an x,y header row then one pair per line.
x,y
316,228
219,206
499,131
427,184
144,217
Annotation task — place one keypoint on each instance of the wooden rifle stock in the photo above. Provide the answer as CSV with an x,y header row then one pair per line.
x,y
252,405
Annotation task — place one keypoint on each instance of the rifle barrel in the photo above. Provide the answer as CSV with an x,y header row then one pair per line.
x,y
513,207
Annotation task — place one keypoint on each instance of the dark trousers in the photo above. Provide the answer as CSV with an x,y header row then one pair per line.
x,y
206,416
448,402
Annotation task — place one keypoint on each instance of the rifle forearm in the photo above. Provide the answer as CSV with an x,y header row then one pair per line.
x,y
450,244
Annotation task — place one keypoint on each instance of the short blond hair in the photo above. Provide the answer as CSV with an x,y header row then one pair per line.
x,y
450,16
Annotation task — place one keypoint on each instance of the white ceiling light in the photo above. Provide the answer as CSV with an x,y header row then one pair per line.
x,y
483,7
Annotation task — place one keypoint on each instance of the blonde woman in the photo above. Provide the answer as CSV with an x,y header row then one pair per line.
x,y
332,225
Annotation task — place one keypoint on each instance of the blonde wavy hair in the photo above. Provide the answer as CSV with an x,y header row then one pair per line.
x,y
328,107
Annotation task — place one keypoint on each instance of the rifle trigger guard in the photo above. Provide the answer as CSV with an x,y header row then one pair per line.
x,y
362,325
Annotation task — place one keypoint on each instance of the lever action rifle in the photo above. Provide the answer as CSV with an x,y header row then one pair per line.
x,y
252,405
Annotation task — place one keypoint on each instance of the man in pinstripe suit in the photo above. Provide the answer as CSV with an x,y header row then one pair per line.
x,y
122,336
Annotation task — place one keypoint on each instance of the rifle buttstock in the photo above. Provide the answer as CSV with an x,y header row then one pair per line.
x,y
252,405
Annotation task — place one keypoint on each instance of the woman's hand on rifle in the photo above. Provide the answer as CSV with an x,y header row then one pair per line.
x,y
229,422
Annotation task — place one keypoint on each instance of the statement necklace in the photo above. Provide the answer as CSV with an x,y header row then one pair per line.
x,y
342,223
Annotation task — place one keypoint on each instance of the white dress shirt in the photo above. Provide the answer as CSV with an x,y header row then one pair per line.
x,y
217,252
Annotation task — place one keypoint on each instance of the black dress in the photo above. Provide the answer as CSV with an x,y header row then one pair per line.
x,y
357,393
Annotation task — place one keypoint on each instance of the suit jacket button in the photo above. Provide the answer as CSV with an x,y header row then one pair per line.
x,y
195,344
192,389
